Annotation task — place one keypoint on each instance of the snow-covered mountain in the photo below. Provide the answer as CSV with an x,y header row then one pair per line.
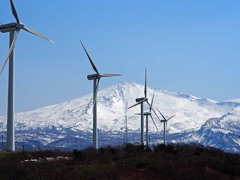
x,y
222,132
69,124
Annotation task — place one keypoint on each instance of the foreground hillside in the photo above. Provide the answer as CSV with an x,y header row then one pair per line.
x,y
125,162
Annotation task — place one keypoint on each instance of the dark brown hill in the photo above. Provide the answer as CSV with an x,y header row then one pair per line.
x,y
125,162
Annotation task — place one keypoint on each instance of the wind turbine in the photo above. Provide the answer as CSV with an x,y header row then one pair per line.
x,y
141,101
96,79
165,120
147,114
13,29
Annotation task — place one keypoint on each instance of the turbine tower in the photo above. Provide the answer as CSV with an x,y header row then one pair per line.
x,y
96,79
13,29
126,129
165,120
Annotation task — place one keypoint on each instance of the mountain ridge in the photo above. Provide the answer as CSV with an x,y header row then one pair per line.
x,y
72,120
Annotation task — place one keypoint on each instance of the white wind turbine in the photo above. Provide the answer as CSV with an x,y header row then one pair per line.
x,y
141,101
147,114
13,29
165,120
96,79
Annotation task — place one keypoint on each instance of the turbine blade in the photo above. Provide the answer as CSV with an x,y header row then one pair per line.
x,y
153,122
162,115
10,51
151,103
110,75
137,113
154,111
14,11
37,34
89,58
170,117
134,105
145,88
137,103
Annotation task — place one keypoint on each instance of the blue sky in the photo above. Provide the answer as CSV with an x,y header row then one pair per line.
x,y
191,46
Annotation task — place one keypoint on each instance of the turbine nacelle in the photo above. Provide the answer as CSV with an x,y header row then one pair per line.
x,y
93,76
145,114
141,99
10,27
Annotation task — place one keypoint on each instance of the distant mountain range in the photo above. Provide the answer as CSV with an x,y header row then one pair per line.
x,y
68,125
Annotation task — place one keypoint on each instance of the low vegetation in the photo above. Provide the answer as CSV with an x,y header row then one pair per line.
x,y
122,162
